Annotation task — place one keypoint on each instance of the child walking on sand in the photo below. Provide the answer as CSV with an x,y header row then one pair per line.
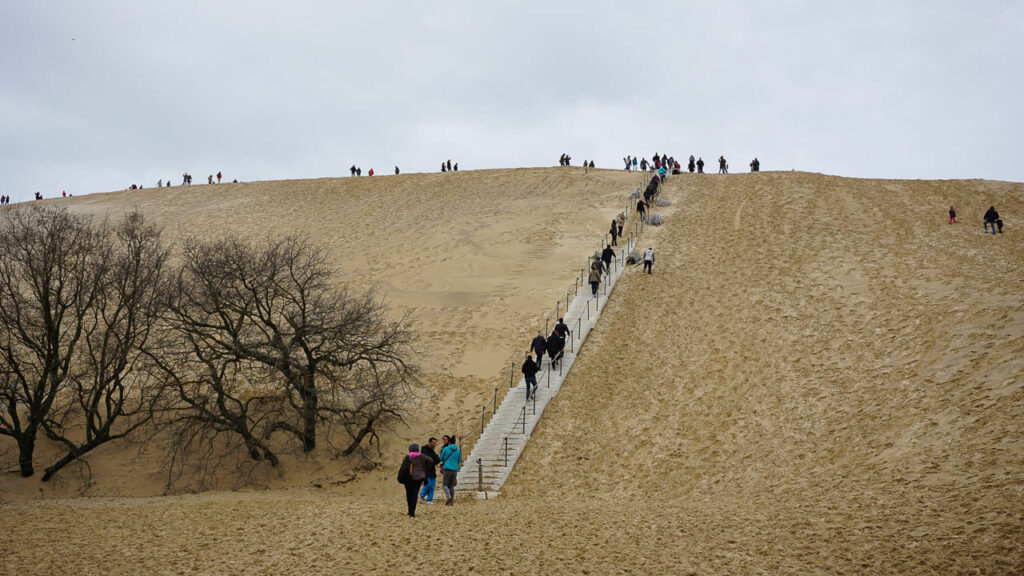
x,y
952,215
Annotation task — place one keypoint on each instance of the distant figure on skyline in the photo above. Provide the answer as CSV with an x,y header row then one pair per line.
x,y
359,171
352,170
591,163
443,167
209,179
643,165
396,170
449,164
700,165
722,165
160,183
456,168
691,166
218,177
755,165
634,163
371,171
40,196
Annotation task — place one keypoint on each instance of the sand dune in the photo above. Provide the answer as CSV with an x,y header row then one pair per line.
x,y
822,376
478,258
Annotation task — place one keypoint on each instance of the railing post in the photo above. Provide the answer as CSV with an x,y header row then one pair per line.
x,y
480,474
506,451
511,374
483,410
524,419
495,409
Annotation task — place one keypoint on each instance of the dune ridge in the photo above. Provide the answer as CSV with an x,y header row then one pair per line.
x,y
821,376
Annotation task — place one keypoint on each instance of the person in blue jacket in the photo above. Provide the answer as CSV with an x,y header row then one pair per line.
x,y
451,461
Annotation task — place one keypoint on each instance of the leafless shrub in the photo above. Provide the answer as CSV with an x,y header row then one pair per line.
x,y
663,202
655,220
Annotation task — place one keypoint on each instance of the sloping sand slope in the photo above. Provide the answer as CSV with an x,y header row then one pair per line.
x,y
821,377
478,258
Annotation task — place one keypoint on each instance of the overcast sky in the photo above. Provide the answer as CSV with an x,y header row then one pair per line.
x,y
98,95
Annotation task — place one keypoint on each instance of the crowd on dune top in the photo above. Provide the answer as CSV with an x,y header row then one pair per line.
x,y
663,165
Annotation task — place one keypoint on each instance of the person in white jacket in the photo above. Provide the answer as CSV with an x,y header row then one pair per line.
x,y
648,259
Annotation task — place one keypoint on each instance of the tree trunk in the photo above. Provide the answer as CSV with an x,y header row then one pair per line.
x,y
309,422
26,446
71,456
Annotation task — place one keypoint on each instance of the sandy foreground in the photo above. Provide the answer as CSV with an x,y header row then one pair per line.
x,y
821,377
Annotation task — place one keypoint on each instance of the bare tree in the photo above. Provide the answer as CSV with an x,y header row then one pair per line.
x,y
111,390
273,346
48,285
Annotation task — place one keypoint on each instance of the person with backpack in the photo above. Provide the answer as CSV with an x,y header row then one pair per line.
x,y
412,473
530,369
430,482
451,461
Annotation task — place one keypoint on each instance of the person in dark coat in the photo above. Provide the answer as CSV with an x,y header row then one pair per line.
x,y
691,165
530,369
991,216
412,473
556,344
641,208
539,345
607,255
700,166
562,329
615,233
430,482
